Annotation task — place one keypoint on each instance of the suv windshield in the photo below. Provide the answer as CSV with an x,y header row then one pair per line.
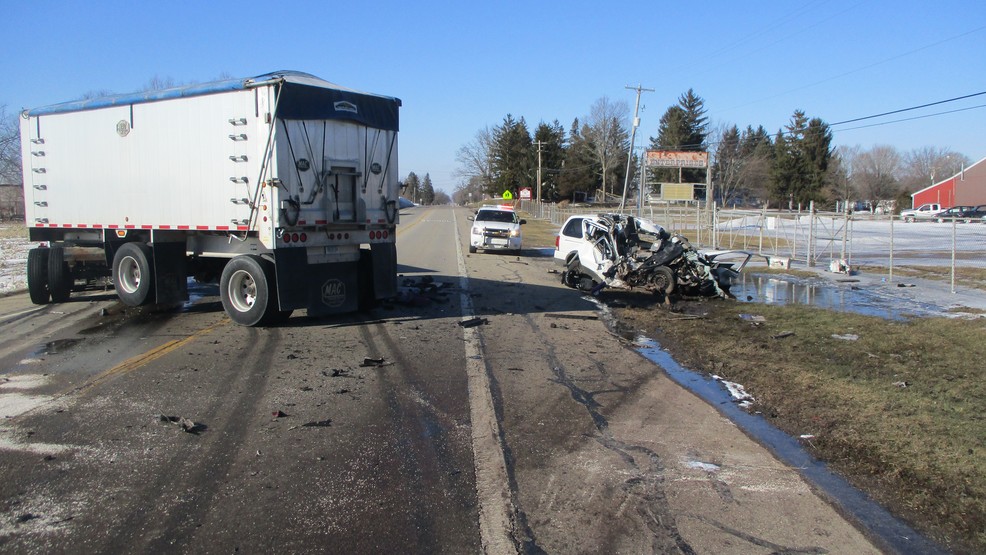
x,y
494,216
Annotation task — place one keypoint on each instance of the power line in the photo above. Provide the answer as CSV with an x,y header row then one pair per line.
x,y
858,69
909,119
908,109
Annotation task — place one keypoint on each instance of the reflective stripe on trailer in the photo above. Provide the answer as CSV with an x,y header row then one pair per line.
x,y
151,227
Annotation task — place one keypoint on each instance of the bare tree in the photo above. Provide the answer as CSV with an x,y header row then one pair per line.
x,y
928,165
607,135
158,83
476,159
879,170
10,148
842,173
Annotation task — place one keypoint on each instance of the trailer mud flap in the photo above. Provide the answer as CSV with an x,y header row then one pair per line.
x,y
321,288
384,257
170,275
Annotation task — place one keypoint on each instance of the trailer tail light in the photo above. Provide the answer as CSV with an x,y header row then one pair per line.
x,y
304,237
286,238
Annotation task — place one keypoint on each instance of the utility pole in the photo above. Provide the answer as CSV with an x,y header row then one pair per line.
x,y
540,143
633,136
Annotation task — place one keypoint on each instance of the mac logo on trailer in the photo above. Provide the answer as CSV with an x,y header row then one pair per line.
x,y
333,293
345,106
123,128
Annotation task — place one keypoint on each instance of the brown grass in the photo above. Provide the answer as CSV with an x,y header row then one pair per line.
x,y
9,230
901,412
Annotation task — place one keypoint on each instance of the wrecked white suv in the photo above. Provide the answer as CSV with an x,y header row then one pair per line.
x,y
623,252
495,228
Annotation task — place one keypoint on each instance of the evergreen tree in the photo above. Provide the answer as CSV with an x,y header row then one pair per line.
x,y
801,157
513,159
552,140
412,188
578,173
427,190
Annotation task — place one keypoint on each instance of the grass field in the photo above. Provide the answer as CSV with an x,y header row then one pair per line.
x,y
900,411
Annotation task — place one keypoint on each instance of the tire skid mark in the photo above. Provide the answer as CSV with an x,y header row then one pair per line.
x,y
522,533
203,466
422,440
647,480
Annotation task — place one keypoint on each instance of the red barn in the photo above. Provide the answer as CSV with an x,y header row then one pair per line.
x,y
966,188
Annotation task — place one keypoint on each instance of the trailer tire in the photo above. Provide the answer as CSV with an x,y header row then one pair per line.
x,y
133,275
37,276
247,290
60,280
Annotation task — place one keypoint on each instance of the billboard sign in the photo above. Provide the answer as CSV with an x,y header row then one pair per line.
x,y
676,159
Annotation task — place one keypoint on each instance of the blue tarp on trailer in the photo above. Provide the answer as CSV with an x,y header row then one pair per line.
x,y
300,96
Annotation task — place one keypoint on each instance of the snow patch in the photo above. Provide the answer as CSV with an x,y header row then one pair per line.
x,y
737,392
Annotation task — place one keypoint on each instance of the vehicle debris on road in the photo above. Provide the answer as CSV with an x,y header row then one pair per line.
x,y
375,363
185,424
473,322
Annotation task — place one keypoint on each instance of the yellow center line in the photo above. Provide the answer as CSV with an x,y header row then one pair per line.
x,y
136,362
402,228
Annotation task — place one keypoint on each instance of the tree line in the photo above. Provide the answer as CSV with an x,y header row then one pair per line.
x,y
792,167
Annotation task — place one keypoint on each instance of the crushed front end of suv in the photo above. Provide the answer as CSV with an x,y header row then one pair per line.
x,y
495,228
623,252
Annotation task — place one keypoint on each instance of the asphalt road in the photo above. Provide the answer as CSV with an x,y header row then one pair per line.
x,y
535,430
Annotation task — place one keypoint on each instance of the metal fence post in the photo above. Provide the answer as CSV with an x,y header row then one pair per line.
x,y
954,224
810,249
891,277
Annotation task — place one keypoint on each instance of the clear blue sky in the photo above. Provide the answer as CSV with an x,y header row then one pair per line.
x,y
461,66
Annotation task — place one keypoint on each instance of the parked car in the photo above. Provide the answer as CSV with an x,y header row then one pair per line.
x,y
957,213
496,228
923,212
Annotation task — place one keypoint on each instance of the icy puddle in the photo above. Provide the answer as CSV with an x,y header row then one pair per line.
x,y
845,296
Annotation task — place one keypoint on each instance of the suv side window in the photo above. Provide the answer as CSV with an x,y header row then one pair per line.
x,y
573,228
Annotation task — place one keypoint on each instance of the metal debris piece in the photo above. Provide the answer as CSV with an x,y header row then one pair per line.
x,y
783,334
845,336
473,322
755,319
375,362
278,414
572,316
185,424
902,385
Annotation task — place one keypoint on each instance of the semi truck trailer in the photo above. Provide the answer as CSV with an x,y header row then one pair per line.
x,y
283,187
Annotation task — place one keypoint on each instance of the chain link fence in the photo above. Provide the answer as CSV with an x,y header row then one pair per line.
x,y
951,250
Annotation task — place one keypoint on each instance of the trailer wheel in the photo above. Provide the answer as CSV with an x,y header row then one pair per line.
x,y
247,291
133,276
37,276
59,275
